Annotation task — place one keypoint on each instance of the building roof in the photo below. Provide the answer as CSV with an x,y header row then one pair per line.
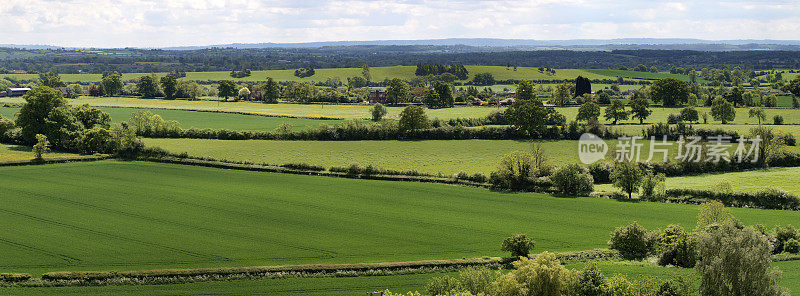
x,y
18,88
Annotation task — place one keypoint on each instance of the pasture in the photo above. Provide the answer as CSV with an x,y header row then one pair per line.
x,y
211,120
429,156
135,215
749,181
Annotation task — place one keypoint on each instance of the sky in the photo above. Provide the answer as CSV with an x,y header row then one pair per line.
x,y
146,23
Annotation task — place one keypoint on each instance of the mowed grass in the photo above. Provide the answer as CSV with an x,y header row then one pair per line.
x,y
633,75
14,153
197,119
429,156
749,181
114,215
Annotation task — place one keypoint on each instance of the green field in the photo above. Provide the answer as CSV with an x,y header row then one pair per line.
x,y
134,215
13,153
428,156
288,286
378,74
749,181
212,120
633,75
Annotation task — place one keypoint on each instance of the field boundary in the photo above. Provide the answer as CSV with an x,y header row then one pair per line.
x,y
326,173
67,159
174,276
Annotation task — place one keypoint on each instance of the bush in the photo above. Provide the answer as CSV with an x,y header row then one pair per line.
x,y
676,247
735,261
590,281
519,170
443,285
674,118
777,120
627,176
378,112
573,179
476,280
518,244
601,171
542,276
675,287
633,241
782,236
653,185
792,246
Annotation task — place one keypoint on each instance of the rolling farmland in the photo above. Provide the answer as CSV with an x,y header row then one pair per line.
x,y
159,215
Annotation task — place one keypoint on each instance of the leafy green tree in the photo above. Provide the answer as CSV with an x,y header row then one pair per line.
x,y
543,275
723,110
562,94
271,91
227,89
397,91
365,72
378,112
676,247
41,147
413,118
148,86
690,114
794,86
50,79
633,241
530,116
45,112
712,212
526,90
627,176
90,117
483,79
736,261
519,245
616,111
670,92
573,180
759,113
244,93
640,108
5,126
169,84
439,96
112,84
588,111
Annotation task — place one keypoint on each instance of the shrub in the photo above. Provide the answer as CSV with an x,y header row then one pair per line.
x,y
378,112
5,125
675,287
782,236
600,171
518,244
676,247
542,276
413,118
735,261
518,171
792,246
653,185
633,241
674,118
443,285
41,147
590,281
777,120
477,280
573,179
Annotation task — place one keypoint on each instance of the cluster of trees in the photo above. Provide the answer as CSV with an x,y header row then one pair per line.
x,y
458,70
168,86
304,72
240,73
47,120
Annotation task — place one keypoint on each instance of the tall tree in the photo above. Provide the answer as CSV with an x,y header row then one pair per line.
x,y
616,111
148,86
169,84
582,86
670,92
397,91
112,83
50,79
759,113
271,91
531,116
562,94
723,110
526,91
640,108
227,89
588,111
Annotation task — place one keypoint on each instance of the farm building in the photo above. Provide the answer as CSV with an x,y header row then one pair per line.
x,y
65,91
16,91
377,96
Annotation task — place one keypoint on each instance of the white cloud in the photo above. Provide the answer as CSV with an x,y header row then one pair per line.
x,y
118,23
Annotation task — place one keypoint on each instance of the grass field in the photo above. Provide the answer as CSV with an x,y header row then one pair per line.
x,y
288,286
429,156
13,153
378,74
750,181
633,75
136,215
213,120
